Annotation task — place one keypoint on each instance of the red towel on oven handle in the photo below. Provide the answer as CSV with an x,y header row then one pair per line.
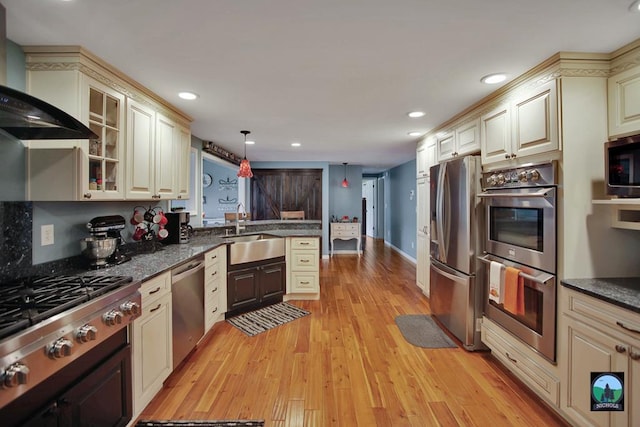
x,y
513,291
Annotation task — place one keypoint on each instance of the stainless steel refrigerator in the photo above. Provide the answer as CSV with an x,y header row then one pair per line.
x,y
456,290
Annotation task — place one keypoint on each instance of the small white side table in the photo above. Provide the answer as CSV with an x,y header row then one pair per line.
x,y
346,231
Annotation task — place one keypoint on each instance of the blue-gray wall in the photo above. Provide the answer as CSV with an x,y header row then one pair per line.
x,y
402,214
222,195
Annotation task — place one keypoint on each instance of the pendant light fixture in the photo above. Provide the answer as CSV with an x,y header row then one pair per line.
x,y
345,183
245,167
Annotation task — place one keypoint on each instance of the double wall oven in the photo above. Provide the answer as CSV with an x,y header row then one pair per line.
x,y
520,232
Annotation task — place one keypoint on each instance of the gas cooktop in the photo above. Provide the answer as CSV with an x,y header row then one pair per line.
x,y
30,300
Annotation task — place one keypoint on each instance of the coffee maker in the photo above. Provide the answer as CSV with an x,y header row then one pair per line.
x,y
103,247
178,227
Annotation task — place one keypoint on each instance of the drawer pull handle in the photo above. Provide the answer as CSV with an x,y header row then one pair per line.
x,y
627,328
304,243
214,273
214,257
511,358
214,289
156,308
214,310
156,290
304,283
634,355
620,348
304,260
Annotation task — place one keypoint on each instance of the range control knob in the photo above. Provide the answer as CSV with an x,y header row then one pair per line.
x,y
15,374
113,317
523,176
535,175
87,333
500,179
130,308
61,348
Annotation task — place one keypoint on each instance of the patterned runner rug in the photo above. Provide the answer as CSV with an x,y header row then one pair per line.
x,y
258,321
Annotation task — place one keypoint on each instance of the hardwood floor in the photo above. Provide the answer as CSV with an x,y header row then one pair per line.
x,y
347,364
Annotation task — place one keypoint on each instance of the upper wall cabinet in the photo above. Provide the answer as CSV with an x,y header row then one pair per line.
x,y
462,140
142,139
523,126
624,103
425,156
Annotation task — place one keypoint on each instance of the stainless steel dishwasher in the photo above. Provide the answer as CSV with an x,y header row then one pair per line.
x,y
187,297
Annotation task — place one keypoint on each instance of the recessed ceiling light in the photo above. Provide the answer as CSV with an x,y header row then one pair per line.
x,y
416,114
249,142
414,133
492,79
295,144
190,96
635,6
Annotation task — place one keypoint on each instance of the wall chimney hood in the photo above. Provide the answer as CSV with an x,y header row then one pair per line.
x,y
26,117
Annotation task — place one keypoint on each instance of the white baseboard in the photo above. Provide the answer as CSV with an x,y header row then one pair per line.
x,y
403,254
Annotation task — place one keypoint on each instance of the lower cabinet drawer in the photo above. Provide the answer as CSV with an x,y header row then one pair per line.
x,y
524,367
351,234
305,260
305,282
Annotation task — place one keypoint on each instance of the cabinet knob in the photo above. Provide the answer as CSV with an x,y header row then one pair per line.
x,y
507,156
87,195
620,348
513,156
633,355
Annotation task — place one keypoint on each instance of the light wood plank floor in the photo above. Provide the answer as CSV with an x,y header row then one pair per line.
x,y
347,364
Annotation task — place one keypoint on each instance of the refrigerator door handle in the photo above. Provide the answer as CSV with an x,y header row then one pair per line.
x,y
440,213
438,266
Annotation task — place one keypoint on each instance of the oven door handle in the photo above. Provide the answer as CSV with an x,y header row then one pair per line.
x,y
543,192
542,278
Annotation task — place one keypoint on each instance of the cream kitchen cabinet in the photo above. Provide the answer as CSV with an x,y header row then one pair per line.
x,y
600,337
463,140
215,286
81,169
522,361
523,126
425,156
183,172
303,267
624,103
153,146
151,341
128,118
422,238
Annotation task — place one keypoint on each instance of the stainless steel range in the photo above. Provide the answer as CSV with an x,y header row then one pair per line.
x,y
55,332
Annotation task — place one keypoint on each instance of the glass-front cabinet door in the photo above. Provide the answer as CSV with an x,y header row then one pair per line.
x,y
105,155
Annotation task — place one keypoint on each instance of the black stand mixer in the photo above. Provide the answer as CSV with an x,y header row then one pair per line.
x,y
103,248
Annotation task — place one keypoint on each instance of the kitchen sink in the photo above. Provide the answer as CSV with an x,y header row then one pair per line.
x,y
254,247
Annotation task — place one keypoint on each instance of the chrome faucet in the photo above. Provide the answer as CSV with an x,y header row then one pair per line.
x,y
238,227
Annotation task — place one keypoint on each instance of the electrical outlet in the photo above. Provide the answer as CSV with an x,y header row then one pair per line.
x,y
46,235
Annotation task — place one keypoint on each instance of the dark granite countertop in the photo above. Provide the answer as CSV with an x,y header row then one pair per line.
x,y
621,291
143,266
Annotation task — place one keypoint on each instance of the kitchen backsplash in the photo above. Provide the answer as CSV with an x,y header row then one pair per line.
x,y
16,222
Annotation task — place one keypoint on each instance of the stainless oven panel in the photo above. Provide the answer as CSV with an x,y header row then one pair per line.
x,y
537,326
521,225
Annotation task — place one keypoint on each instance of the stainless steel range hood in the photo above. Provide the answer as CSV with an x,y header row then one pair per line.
x,y
26,117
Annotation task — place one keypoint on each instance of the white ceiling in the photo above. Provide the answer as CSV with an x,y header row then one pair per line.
x,y
338,76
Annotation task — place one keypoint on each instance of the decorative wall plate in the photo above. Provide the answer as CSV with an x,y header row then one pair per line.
x,y
206,180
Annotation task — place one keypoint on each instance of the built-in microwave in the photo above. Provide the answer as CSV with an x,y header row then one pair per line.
x,y
622,166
